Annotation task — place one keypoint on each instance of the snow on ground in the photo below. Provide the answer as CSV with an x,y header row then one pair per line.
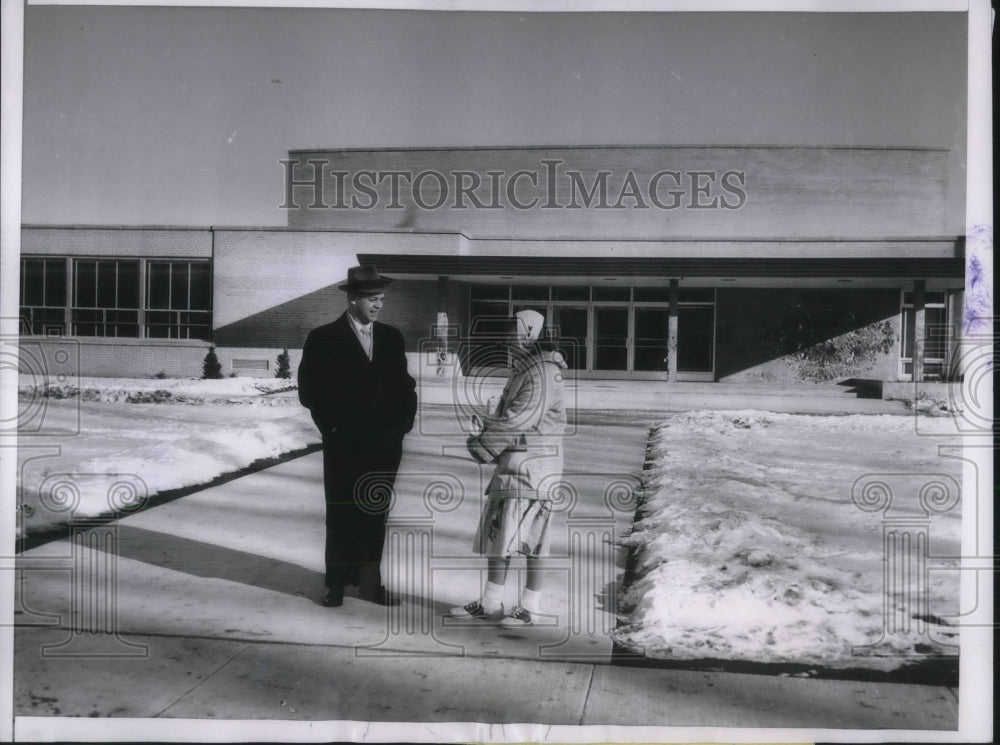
x,y
97,457
156,390
751,548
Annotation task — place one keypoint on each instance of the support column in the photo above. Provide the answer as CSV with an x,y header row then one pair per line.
x,y
442,311
143,274
441,327
919,329
672,331
955,304
70,282
442,295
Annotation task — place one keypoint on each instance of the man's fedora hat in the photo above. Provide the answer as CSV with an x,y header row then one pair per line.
x,y
364,278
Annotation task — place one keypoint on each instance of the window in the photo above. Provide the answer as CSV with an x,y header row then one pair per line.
x,y
490,292
936,334
703,295
570,293
530,292
651,294
617,294
610,328
43,296
489,310
178,300
109,297
106,297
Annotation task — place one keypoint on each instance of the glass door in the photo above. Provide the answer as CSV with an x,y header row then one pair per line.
x,y
485,352
611,339
571,323
651,328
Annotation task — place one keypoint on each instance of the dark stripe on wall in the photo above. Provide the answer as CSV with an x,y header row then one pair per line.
x,y
898,268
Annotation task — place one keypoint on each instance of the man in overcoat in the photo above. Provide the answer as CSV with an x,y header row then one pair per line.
x,y
354,381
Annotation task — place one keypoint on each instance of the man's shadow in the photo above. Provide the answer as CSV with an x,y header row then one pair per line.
x,y
201,559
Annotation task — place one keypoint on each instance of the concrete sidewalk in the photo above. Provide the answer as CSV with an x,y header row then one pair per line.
x,y
216,613
216,678
245,559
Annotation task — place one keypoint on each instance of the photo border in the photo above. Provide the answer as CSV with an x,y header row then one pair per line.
x,y
976,664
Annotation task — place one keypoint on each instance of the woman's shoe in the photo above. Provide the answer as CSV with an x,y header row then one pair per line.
x,y
475,610
517,618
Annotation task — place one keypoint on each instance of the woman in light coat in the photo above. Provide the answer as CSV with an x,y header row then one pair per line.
x,y
523,436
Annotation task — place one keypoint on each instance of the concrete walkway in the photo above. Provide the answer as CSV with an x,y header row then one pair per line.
x,y
245,559
209,608
215,678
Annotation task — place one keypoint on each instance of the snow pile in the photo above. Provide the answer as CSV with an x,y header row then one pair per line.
x,y
751,548
128,453
179,457
157,390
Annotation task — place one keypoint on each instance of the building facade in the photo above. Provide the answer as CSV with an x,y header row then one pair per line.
x,y
666,263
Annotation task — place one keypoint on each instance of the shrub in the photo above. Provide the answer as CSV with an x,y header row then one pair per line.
x,y
847,354
284,370
211,368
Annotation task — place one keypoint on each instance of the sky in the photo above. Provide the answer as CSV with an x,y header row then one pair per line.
x,y
180,116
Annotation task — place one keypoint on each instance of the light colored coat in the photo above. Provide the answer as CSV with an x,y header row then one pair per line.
x,y
524,434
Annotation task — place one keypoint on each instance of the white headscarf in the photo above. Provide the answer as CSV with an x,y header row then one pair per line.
x,y
530,322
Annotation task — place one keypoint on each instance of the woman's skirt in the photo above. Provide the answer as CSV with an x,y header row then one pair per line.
x,y
513,524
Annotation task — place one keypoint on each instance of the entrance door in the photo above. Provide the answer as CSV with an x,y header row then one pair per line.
x,y
572,325
611,339
651,332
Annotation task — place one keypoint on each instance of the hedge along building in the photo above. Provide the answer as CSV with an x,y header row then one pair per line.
x,y
674,263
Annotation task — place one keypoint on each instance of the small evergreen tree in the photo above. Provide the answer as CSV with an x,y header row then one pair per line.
x,y
211,368
284,365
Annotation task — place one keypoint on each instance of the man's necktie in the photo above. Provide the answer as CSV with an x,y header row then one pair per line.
x,y
366,339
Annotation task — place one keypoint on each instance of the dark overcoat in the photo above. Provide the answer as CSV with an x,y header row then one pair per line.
x,y
362,408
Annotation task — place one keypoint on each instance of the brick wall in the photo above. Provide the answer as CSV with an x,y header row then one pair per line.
x,y
255,362
411,306
194,243
114,358
273,286
779,191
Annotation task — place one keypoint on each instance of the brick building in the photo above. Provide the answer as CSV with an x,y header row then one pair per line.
x,y
674,263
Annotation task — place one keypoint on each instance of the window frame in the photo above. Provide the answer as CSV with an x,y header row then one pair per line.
x,y
906,308
177,327
707,299
105,322
107,317
27,312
